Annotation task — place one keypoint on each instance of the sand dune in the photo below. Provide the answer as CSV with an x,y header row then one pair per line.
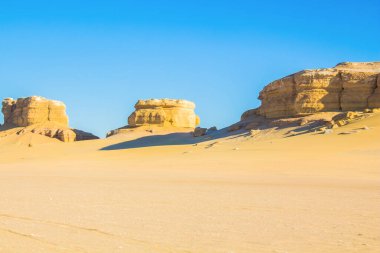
x,y
307,193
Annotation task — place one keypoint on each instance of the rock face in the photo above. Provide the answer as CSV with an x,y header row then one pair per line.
x,y
199,131
165,113
50,129
40,116
347,86
374,99
33,110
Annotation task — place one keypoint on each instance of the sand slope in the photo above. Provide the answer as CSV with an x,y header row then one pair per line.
x,y
307,193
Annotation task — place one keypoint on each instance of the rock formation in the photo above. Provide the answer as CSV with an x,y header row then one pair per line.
x,y
374,99
348,86
40,116
199,131
310,100
33,110
165,113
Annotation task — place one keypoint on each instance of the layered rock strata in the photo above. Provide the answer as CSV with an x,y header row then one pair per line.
x,y
33,110
164,113
348,86
40,116
374,99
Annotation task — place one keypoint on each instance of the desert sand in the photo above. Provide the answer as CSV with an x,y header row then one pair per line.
x,y
165,192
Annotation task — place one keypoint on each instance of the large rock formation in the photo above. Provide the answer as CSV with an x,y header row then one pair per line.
x,y
348,86
33,110
40,116
162,115
165,113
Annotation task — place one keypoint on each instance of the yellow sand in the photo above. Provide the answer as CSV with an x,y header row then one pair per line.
x,y
303,194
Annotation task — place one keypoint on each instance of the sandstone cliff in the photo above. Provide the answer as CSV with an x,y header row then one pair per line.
x,y
40,116
348,86
312,101
165,113
374,99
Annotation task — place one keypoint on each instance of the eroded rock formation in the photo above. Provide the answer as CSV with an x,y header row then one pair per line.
x,y
40,116
199,131
159,116
348,86
374,99
165,113
33,110
313,100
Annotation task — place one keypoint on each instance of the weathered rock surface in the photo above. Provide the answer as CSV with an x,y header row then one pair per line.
x,y
33,110
165,113
374,99
40,116
50,129
83,136
211,129
199,131
348,86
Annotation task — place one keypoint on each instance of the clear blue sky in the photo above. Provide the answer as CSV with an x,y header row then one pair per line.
x,y
100,57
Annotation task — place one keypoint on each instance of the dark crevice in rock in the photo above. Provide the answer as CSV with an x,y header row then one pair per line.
x,y
48,114
373,91
294,95
341,91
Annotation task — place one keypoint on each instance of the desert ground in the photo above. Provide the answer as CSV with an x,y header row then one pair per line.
x,y
166,192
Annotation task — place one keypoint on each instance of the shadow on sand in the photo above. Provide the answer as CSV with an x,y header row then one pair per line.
x,y
181,138
155,140
170,139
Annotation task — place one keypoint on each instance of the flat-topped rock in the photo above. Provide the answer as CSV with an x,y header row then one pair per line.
x,y
348,86
164,113
360,66
39,115
164,102
28,111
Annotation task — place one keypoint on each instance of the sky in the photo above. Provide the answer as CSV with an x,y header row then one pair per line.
x,y
100,57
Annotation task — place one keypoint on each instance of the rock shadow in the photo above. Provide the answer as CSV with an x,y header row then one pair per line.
x,y
171,139
155,140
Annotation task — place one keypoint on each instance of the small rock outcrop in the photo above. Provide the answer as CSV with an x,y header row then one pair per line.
x,y
199,131
40,116
347,86
165,113
212,129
